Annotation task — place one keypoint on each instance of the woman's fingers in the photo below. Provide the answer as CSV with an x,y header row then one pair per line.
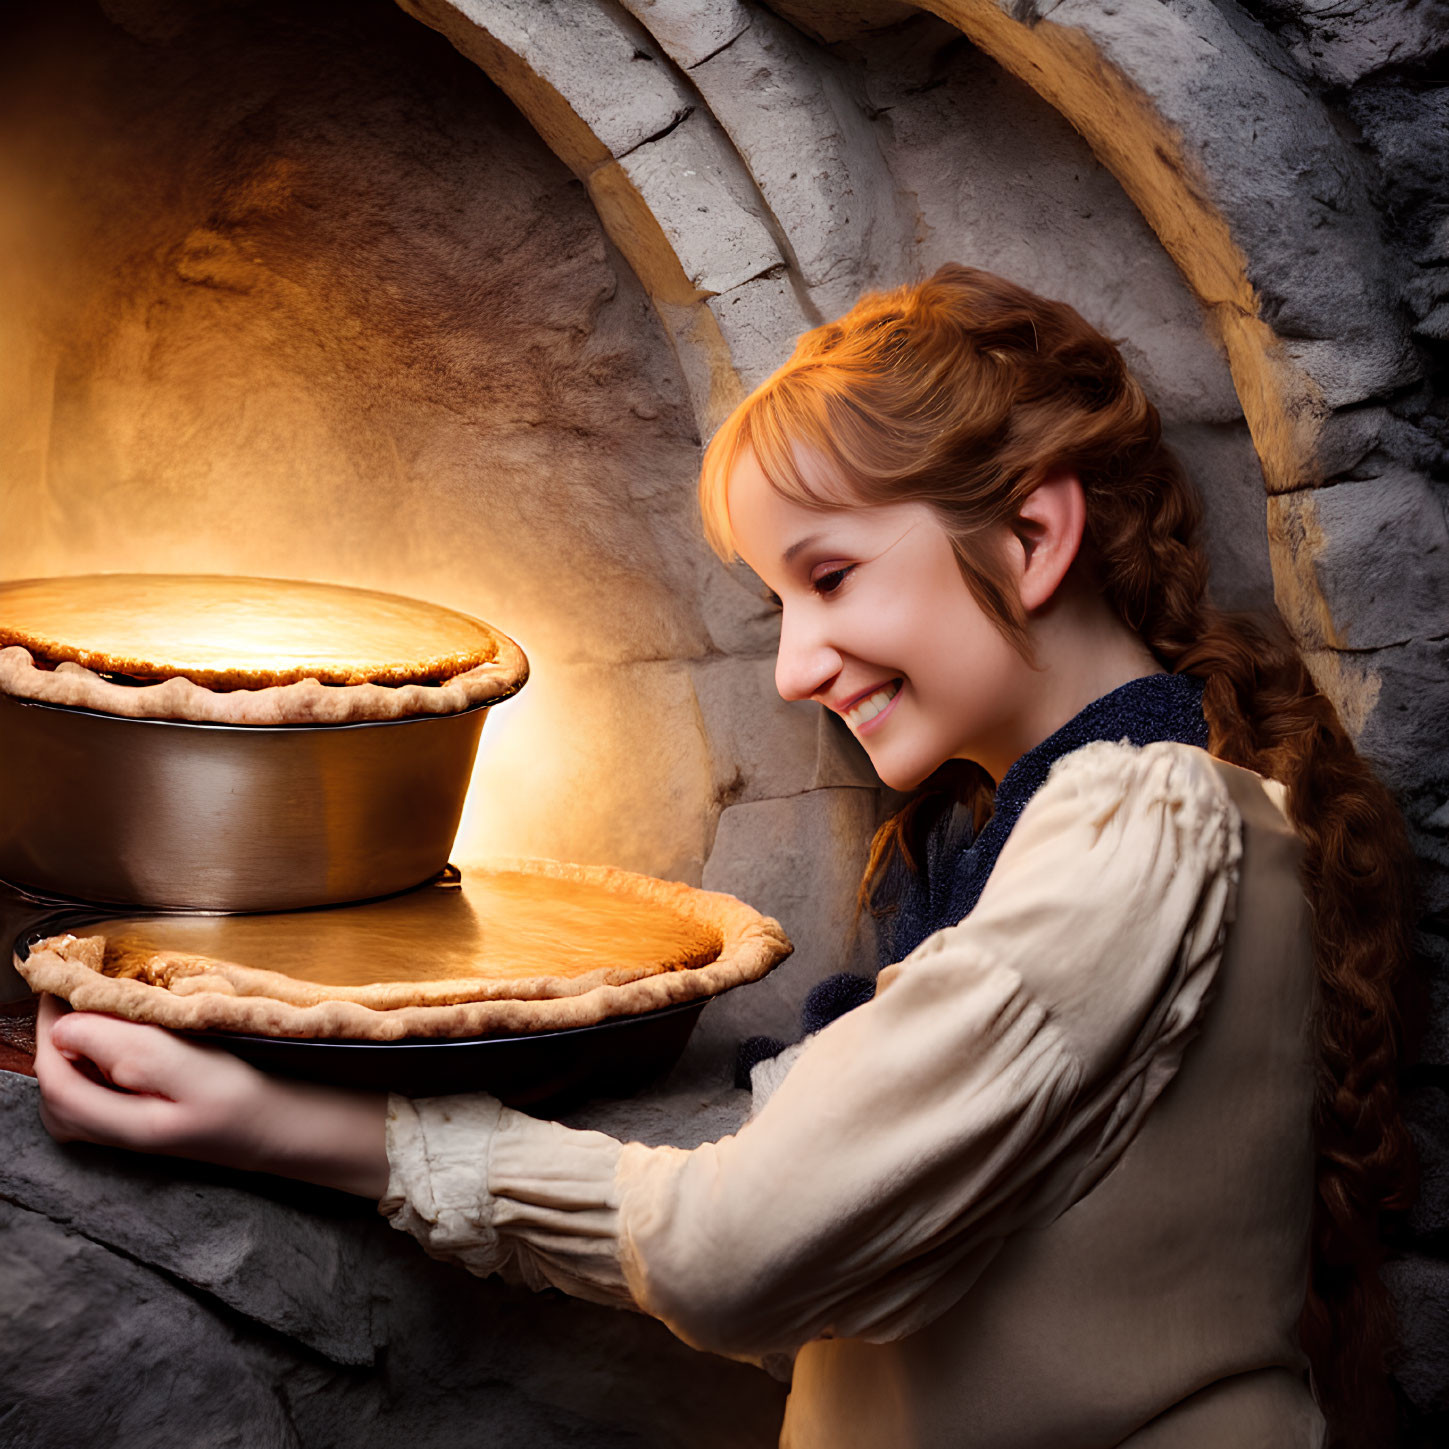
x,y
74,1103
126,1084
75,1107
130,1054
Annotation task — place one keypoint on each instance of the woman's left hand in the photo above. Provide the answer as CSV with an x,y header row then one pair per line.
x,y
126,1084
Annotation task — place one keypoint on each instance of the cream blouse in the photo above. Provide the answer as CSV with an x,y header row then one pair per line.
x,y
998,1073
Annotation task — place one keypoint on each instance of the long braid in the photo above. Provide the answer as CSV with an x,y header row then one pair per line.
x,y
1265,714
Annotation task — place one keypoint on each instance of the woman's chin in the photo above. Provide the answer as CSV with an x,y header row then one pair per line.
x,y
899,775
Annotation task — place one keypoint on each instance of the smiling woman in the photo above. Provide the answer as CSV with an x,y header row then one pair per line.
x,y
1035,463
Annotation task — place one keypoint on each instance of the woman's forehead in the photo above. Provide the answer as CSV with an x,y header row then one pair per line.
x,y
760,511
805,470
771,529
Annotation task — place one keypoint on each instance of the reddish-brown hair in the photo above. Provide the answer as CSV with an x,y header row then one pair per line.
x,y
965,392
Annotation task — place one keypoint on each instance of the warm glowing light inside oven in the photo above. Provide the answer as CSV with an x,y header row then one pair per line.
x,y
207,365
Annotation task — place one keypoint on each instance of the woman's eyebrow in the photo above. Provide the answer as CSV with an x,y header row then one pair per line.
x,y
801,543
812,538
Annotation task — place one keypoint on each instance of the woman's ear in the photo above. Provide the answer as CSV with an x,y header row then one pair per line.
x,y
1048,528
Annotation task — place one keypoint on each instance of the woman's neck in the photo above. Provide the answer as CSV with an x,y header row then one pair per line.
x,y
1082,651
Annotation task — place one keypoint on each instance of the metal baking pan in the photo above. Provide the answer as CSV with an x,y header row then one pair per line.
x,y
19,912
553,1069
215,817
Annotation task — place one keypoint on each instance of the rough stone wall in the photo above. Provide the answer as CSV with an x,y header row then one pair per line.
x,y
159,1305
1000,180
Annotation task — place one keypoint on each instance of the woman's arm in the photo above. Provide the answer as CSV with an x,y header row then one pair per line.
x,y
124,1084
1000,1069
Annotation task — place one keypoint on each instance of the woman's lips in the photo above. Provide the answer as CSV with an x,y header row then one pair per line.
x,y
866,714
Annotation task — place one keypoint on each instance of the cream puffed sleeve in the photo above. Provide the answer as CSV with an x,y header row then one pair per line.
x,y
999,1071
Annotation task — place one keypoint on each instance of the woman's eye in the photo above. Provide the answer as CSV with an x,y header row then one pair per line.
x,y
828,583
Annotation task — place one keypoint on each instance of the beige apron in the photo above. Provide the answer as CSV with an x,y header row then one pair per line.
x,y
1160,1310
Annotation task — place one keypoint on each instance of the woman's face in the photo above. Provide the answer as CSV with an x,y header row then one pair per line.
x,y
879,626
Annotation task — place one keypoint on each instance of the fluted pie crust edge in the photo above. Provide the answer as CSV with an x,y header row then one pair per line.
x,y
305,702
240,650
195,993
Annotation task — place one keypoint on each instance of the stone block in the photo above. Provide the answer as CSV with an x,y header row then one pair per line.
x,y
1394,701
1434,324
108,1346
604,66
1364,365
811,153
1293,192
690,30
1380,549
1427,1111
100,1350
1427,288
1435,250
735,611
798,859
1404,734
1420,1290
1354,443
762,747
705,203
1341,44
1403,120
269,1263
761,321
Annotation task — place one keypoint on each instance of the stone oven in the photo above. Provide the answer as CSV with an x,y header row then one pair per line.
x,y
447,308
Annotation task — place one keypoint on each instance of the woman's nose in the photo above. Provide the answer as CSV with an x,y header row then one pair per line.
x,y
806,663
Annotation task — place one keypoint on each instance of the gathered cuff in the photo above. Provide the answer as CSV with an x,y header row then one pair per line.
x,y
501,1192
437,1186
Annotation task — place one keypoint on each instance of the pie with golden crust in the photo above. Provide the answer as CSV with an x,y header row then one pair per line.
x,y
514,946
219,649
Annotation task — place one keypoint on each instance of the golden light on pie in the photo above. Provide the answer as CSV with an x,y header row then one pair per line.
x,y
229,633
514,947
213,649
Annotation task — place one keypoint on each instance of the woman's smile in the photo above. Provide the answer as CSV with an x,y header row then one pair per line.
x,y
868,710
